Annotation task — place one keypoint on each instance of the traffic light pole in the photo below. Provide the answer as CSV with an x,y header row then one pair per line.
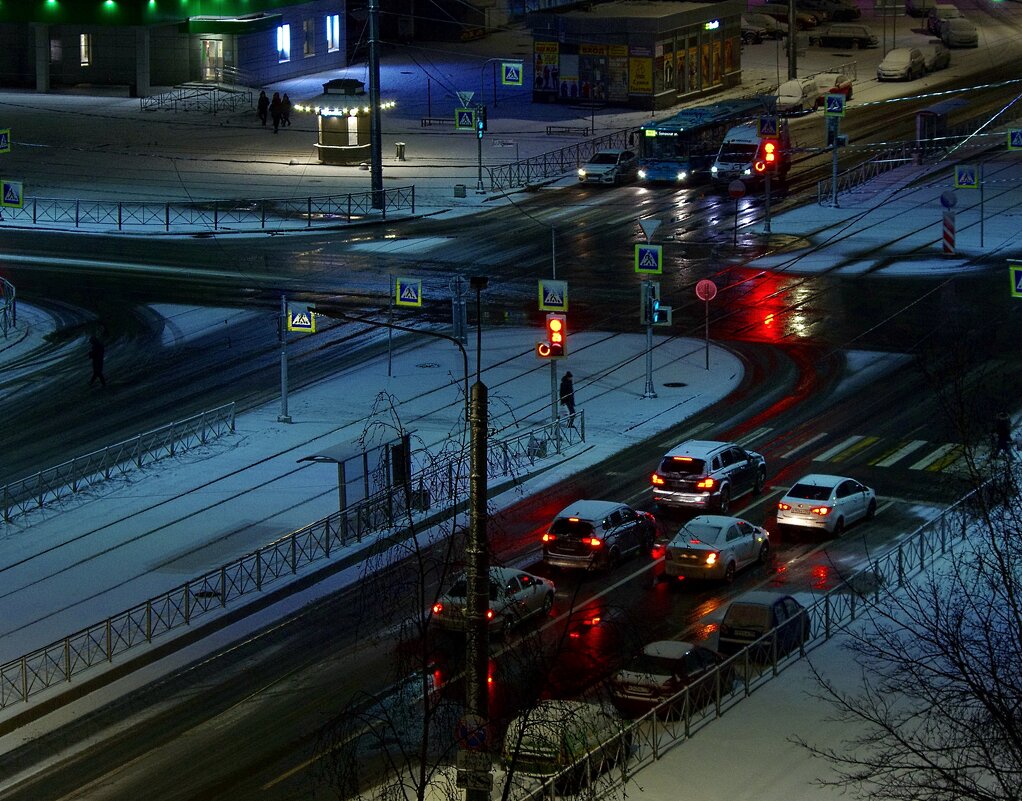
x,y
766,224
649,392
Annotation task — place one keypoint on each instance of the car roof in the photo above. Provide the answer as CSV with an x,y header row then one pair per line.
x,y
759,598
589,510
668,649
821,480
700,448
714,520
616,151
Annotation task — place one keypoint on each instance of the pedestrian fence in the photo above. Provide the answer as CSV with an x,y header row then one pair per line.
x,y
214,215
55,484
209,98
8,307
555,163
445,485
605,771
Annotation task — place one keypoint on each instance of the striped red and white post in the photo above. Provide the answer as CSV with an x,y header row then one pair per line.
x,y
949,233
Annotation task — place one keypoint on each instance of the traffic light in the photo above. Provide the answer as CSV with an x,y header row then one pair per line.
x,y
556,344
649,311
769,155
480,121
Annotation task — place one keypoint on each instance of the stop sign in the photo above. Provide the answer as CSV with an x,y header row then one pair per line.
x,y
736,189
706,289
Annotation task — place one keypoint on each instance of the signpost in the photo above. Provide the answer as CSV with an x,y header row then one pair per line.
x,y
706,291
649,260
737,190
969,176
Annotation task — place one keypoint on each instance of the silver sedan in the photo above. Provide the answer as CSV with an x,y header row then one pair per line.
x,y
514,596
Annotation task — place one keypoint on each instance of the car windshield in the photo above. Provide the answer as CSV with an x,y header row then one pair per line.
x,y
810,492
652,665
604,158
704,532
894,58
460,589
682,466
752,616
571,527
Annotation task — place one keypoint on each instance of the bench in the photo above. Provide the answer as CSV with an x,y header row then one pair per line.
x,y
427,121
570,130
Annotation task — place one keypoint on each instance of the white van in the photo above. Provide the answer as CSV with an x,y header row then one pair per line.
x,y
742,154
797,95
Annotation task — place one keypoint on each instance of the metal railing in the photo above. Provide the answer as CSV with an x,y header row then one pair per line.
x,y
556,162
102,643
71,477
8,306
898,156
213,215
208,98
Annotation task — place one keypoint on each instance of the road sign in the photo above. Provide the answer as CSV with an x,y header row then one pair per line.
x,y
767,127
465,119
649,227
301,319
649,259
511,73
736,189
471,734
948,199
12,194
553,296
833,105
706,290
408,292
966,176
1015,139
465,98
1015,269
5,140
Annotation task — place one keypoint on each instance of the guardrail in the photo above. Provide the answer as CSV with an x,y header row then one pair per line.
x,y
212,215
8,306
100,644
646,739
847,181
71,477
556,162
197,97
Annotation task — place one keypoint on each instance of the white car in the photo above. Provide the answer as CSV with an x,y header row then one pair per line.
x,y
936,56
828,502
514,596
609,167
715,547
902,64
959,32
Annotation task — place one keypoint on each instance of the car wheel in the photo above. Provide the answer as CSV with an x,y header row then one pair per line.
x,y
548,604
757,488
507,627
613,558
724,502
839,527
729,573
849,96
871,511
764,553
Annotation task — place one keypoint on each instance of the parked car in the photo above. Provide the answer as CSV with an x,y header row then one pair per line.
x,y
840,10
833,83
757,613
775,28
959,32
938,13
936,55
797,96
663,670
514,596
554,734
715,547
902,64
844,34
609,167
597,535
919,8
705,474
751,32
831,503
804,20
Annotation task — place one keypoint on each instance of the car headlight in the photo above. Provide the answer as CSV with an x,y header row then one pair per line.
x,y
581,173
713,169
746,171
642,173
682,175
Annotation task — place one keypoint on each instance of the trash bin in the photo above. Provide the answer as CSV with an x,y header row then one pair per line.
x,y
459,190
400,146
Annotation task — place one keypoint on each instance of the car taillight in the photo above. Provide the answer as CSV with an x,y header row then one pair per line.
x,y
592,542
711,558
706,483
438,608
657,479
784,507
549,537
822,511
658,551
489,614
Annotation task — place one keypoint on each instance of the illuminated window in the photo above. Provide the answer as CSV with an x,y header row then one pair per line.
x,y
85,49
333,33
283,43
309,47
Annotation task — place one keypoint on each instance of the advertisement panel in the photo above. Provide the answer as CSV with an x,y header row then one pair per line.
x,y
545,61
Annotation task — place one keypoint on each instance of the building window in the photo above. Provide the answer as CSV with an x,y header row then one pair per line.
x,y
309,48
85,48
283,43
56,51
333,33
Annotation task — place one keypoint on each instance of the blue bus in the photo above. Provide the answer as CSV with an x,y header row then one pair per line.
x,y
682,148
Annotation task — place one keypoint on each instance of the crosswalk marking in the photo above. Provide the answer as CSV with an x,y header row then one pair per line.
x,y
933,456
900,453
804,445
948,459
858,447
828,454
752,436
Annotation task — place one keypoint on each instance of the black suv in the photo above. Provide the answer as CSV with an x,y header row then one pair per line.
x,y
702,474
596,535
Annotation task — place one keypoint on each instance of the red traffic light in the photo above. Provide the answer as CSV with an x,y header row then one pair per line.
x,y
556,337
768,153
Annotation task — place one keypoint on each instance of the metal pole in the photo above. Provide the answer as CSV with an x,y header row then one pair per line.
x,y
553,252
650,392
375,134
982,209
390,321
283,417
553,391
792,48
479,153
429,96
735,241
494,67
833,165
706,331
766,226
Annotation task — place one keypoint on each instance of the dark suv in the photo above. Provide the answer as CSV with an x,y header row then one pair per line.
x,y
596,535
701,474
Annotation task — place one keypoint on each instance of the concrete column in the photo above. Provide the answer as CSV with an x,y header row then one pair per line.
x,y
142,88
42,58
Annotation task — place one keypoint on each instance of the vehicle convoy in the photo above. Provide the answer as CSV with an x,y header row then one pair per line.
x,y
597,535
831,503
745,155
715,547
706,474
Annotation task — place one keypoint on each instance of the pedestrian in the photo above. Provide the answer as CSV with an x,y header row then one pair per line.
x,y
1002,433
96,352
568,397
285,111
262,106
275,107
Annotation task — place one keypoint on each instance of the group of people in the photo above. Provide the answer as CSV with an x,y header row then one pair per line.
x,y
278,108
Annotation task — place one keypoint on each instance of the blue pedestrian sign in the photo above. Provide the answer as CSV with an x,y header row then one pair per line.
x,y
1015,269
649,259
966,176
553,296
1015,139
465,119
834,105
511,73
408,292
767,127
13,194
300,318
5,140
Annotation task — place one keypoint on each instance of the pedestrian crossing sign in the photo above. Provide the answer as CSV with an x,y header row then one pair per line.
x,y
5,140
465,119
966,176
408,292
767,127
649,259
13,194
1015,139
834,105
511,73
302,319
1015,269
553,296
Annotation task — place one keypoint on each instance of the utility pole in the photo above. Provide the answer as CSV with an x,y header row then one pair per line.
x,y
283,417
792,47
375,134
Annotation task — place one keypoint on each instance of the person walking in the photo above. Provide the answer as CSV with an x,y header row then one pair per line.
x,y
1002,434
262,106
96,352
285,111
568,397
275,107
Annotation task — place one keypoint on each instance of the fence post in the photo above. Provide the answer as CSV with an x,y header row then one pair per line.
x,y
901,569
259,569
109,641
294,555
172,442
138,451
119,215
216,214
77,210
308,216
413,196
922,551
262,213
223,586
166,217
826,616
149,621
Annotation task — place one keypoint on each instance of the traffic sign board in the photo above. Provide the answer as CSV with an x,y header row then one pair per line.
x,y
553,295
706,290
465,98
767,127
736,189
12,194
465,119
966,176
511,73
1015,269
5,140
649,259
948,199
649,227
834,105
302,319
408,292
471,734
1015,139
